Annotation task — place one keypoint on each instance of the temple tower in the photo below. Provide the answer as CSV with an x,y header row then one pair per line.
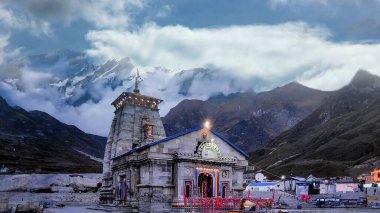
x,y
136,123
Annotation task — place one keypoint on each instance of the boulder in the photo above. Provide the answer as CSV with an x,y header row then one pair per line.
x,y
29,207
44,182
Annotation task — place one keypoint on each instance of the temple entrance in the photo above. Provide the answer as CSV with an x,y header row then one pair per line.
x,y
205,185
225,189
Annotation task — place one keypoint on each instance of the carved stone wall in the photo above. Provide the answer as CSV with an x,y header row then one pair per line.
x,y
155,199
126,133
128,129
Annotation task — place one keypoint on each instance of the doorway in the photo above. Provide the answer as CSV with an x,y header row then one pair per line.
x,y
205,185
225,189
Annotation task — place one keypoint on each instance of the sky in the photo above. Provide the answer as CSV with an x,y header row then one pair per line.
x,y
319,43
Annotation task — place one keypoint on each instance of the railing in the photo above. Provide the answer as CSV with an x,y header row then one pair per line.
x,y
196,204
207,204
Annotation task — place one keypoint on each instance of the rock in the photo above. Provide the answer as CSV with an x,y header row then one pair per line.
x,y
62,189
45,182
29,207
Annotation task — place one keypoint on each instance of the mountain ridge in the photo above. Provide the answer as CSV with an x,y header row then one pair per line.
x,y
36,142
247,118
349,117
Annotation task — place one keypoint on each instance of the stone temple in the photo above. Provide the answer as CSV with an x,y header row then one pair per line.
x,y
149,172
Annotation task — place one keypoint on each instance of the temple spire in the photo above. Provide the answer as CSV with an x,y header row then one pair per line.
x,y
137,81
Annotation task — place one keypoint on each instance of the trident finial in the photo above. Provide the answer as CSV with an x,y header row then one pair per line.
x,y
137,81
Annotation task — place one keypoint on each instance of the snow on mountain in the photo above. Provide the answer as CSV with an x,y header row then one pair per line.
x,y
63,63
77,80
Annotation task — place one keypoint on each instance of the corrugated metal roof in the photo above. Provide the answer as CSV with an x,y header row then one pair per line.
x,y
298,178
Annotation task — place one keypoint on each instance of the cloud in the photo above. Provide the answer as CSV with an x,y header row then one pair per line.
x,y
173,86
237,58
3,44
5,50
275,54
37,95
39,16
30,88
33,88
164,11
350,20
281,3
15,19
7,17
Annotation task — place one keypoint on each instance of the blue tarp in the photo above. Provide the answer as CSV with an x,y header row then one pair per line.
x,y
262,184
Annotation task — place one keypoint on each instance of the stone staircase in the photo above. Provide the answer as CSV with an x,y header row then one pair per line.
x,y
106,195
114,208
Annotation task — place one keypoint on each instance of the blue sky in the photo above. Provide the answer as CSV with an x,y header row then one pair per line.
x,y
349,20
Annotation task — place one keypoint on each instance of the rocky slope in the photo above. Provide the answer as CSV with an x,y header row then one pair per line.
x,y
341,137
36,142
250,120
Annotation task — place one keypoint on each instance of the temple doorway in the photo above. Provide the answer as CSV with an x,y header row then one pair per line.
x,y
225,189
205,185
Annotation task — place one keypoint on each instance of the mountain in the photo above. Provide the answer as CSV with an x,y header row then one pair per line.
x,y
63,63
250,120
36,142
74,78
59,64
341,137
72,74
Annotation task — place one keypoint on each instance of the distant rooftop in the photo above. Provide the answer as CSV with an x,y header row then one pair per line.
x,y
262,184
298,178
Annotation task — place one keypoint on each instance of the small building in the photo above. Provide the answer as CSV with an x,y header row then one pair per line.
x,y
341,186
314,184
302,188
366,178
373,195
4,169
248,177
289,183
327,187
376,175
263,186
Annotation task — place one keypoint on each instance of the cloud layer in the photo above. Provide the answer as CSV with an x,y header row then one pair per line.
x,y
243,46
237,58
5,51
38,16
89,117
275,54
35,88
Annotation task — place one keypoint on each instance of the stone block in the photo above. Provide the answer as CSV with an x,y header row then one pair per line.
x,y
3,205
